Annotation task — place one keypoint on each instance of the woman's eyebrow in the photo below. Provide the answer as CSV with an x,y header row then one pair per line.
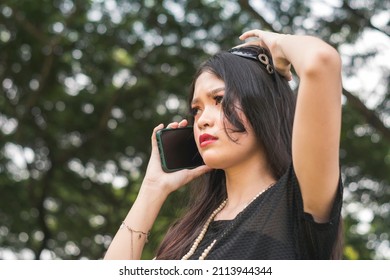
x,y
211,93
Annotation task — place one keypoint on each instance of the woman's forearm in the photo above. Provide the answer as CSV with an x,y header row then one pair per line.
x,y
130,238
310,55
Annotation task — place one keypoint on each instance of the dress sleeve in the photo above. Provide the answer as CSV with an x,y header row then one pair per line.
x,y
317,240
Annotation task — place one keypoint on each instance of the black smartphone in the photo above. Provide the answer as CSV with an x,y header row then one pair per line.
x,y
178,149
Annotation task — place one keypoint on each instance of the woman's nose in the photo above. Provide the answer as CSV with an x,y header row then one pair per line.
x,y
207,118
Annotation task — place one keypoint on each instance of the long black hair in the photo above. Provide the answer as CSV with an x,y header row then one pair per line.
x,y
268,103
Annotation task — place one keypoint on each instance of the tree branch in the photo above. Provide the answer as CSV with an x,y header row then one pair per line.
x,y
29,27
47,234
245,6
43,77
369,115
96,132
359,15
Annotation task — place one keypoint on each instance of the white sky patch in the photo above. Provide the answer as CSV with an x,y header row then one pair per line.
x,y
18,155
366,82
74,84
110,172
172,102
175,9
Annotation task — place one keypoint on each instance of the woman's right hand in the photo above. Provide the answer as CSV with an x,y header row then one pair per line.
x,y
155,188
156,180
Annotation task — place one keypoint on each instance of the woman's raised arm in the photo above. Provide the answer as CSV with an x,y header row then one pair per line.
x,y
317,121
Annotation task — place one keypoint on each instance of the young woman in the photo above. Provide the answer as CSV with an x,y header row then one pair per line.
x,y
271,185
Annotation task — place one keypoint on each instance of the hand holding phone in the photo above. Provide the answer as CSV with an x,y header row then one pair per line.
x,y
178,149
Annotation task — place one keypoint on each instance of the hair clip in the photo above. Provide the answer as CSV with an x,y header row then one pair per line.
x,y
263,58
254,54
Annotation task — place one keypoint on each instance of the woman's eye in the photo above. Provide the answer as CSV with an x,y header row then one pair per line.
x,y
194,111
218,99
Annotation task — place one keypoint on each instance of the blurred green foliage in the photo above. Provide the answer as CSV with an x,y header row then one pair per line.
x,y
83,83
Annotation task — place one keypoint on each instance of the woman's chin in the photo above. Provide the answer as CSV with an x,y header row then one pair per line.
x,y
214,163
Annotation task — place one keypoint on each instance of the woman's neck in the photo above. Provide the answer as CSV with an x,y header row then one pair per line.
x,y
243,183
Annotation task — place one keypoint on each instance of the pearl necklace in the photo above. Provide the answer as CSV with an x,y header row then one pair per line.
x,y
207,224
203,233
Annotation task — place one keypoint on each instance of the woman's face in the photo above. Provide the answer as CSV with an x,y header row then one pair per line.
x,y
216,147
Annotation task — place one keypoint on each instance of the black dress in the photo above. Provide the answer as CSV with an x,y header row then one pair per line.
x,y
274,226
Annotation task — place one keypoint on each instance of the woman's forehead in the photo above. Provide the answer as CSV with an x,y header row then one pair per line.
x,y
207,82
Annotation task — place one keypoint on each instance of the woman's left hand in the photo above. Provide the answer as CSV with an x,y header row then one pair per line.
x,y
271,41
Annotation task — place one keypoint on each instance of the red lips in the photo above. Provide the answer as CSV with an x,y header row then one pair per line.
x,y
206,139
